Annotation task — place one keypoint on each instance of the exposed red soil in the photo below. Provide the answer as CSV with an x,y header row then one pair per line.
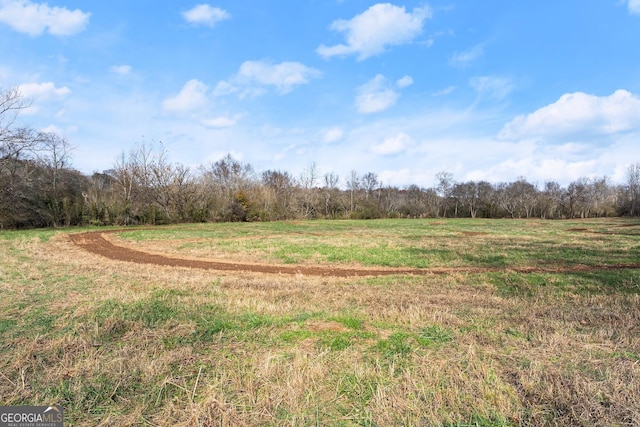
x,y
96,242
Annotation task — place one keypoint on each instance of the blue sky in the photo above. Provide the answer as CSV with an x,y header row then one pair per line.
x,y
493,90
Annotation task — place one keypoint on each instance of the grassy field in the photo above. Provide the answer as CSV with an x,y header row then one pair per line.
x,y
119,343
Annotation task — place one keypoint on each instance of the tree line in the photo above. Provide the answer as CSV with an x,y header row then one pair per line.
x,y
39,188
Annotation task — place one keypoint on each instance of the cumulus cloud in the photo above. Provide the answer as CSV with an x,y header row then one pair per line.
x,y
255,77
379,94
191,97
122,70
40,93
634,7
332,135
43,90
393,145
35,19
375,96
405,81
371,32
578,115
204,14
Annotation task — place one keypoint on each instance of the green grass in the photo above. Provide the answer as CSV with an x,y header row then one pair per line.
x,y
413,243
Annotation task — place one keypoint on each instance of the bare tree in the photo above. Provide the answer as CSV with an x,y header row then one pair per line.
x,y
54,157
331,194
506,198
633,189
55,153
309,176
280,186
11,102
444,187
526,195
228,182
467,194
550,200
331,180
353,185
16,161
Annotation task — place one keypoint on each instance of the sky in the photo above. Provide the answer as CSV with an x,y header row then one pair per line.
x,y
493,90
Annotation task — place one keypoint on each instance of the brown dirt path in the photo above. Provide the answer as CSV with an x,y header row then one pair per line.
x,y
96,242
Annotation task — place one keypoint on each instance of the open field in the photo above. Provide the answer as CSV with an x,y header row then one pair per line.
x,y
394,322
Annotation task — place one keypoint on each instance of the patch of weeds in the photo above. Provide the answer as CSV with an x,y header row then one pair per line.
x,y
296,335
43,235
172,342
254,321
358,389
87,397
398,344
485,259
477,420
6,325
154,312
605,282
151,312
207,326
510,284
303,317
626,355
433,335
516,333
336,342
39,321
294,253
349,322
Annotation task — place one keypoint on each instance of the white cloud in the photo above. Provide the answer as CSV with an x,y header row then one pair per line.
x,y
254,77
122,70
43,90
375,96
462,59
393,145
634,7
36,18
40,93
405,81
369,33
578,115
444,92
204,14
333,135
221,122
224,88
493,87
540,169
191,97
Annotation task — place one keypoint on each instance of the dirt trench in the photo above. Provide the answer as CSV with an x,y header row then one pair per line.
x,y
96,242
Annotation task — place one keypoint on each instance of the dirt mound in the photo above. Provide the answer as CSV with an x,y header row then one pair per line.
x,y
96,242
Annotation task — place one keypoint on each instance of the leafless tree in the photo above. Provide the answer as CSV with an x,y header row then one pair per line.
x,y
633,189
331,194
445,184
353,185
